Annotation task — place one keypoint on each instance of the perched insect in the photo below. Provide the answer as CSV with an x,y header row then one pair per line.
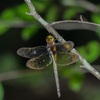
x,y
43,56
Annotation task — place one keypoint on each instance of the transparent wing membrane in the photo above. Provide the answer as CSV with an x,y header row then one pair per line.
x,y
60,47
40,57
32,52
66,58
39,62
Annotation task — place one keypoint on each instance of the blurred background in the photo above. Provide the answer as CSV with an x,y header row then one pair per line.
x,y
17,82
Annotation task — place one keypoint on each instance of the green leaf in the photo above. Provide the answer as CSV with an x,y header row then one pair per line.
x,y
40,6
76,82
52,14
8,62
1,91
3,28
74,76
8,14
95,18
27,33
71,12
91,51
21,10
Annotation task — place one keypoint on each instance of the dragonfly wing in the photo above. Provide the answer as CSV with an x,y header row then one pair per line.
x,y
66,58
39,62
64,47
32,52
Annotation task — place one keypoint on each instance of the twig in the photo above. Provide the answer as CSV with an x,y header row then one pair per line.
x,y
14,74
82,3
22,73
75,24
59,38
61,25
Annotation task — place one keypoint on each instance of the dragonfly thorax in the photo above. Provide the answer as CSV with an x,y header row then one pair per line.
x,y
51,44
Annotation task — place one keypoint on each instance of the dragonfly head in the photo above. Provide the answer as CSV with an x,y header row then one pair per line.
x,y
50,39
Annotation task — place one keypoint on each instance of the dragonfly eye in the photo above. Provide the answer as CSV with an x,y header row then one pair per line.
x,y
49,38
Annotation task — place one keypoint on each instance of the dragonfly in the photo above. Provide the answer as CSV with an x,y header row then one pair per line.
x,y
42,56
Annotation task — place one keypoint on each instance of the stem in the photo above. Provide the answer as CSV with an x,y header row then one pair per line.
x,y
14,74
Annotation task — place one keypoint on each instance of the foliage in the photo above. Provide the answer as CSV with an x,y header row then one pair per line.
x,y
1,91
71,12
11,63
75,77
91,51
96,19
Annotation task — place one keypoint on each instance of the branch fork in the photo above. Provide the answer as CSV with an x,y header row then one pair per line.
x,y
51,30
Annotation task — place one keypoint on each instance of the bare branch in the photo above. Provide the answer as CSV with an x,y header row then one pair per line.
x,y
22,73
82,3
14,74
59,25
60,39
75,24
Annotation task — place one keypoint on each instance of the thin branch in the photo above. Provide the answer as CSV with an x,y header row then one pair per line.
x,y
17,23
60,25
82,3
97,67
59,38
22,73
75,24
14,74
